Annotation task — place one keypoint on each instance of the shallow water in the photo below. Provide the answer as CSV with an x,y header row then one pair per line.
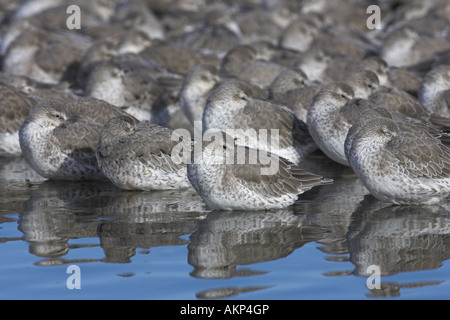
x,y
167,245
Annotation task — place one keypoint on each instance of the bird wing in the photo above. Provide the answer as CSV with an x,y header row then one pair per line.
x,y
287,178
263,114
401,102
96,109
419,154
151,145
78,139
15,107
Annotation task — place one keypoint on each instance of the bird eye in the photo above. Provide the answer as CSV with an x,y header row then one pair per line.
x,y
384,130
242,96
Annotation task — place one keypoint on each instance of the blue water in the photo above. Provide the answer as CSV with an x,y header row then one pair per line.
x,y
168,246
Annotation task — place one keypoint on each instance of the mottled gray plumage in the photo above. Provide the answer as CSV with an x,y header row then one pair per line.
x,y
404,79
130,80
363,82
46,56
138,155
376,65
210,38
233,177
434,92
301,31
232,106
39,90
197,85
404,46
327,123
60,145
292,89
95,109
14,108
288,80
360,120
173,57
404,103
374,111
243,63
400,162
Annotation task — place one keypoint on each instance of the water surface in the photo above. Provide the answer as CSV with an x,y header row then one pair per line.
x,y
167,245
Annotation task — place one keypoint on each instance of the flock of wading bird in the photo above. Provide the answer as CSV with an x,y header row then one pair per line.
x,y
103,101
